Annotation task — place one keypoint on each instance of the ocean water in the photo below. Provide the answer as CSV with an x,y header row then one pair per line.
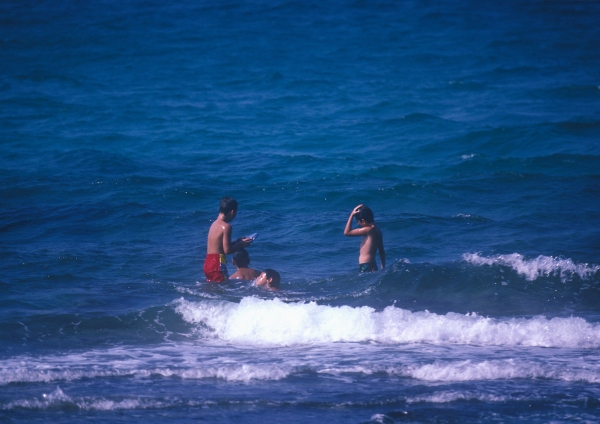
x,y
472,129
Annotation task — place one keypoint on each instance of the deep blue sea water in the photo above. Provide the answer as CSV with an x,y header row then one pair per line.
x,y
472,129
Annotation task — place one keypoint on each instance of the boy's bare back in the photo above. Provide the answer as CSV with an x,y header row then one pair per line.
x,y
241,260
219,236
245,274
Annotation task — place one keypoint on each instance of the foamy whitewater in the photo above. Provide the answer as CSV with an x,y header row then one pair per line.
x,y
471,129
249,322
542,266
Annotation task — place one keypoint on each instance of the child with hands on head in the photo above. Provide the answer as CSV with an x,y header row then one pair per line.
x,y
372,238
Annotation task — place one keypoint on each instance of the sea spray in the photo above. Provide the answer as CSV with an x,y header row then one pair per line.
x,y
272,322
541,266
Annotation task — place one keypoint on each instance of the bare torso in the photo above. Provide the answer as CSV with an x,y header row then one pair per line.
x,y
369,245
372,238
217,233
245,274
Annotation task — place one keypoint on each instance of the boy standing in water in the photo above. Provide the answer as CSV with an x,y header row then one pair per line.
x,y
372,238
219,242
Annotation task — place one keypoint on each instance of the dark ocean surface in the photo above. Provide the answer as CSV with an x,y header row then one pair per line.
x,y
472,129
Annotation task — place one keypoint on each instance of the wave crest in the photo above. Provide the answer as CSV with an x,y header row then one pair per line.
x,y
272,322
539,267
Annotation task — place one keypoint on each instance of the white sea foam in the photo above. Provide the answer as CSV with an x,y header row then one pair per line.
x,y
272,322
541,266
243,335
476,370
470,370
382,418
178,361
229,372
59,398
455,395
345,363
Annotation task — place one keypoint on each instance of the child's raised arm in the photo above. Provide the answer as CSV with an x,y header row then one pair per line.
x,y
348,231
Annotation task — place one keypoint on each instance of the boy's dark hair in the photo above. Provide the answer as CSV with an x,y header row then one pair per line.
x,y
241,258
227,205
274,275
365,213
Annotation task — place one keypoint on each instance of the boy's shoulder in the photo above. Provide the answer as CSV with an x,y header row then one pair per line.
x,y
220,223
374,228
245,274
374,231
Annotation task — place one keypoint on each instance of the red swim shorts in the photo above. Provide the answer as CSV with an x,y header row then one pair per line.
x,y
215,268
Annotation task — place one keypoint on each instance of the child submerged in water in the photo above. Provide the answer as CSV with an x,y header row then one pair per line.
x,y
241,260
269,278
219,242
372,238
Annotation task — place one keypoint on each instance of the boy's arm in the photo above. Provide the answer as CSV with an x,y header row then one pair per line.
x,y
228,246
381,251
348,231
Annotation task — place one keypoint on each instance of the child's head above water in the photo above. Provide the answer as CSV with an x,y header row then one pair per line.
x,y
227,205
241,259
365,214
269,278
